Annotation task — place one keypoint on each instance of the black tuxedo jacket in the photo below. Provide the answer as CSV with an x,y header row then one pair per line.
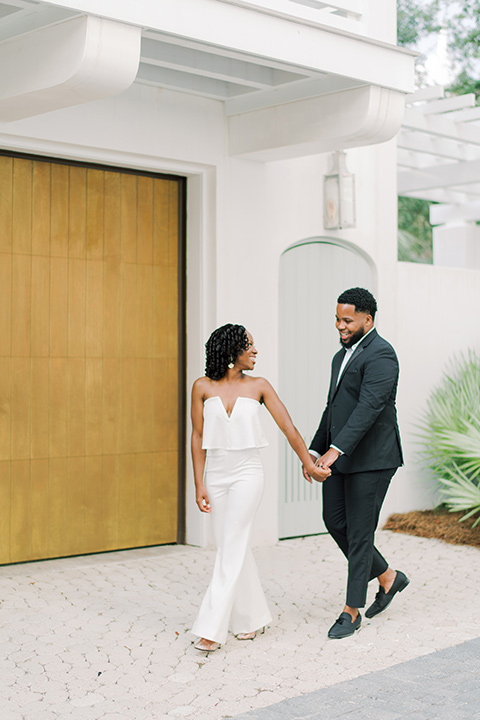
x,y
360,417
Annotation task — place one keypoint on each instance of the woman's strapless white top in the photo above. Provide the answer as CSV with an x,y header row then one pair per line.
x,y
238,431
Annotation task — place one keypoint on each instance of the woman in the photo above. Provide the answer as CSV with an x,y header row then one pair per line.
x,y
226,437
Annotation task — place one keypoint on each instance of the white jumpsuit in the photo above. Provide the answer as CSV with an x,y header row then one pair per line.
x,y
234,482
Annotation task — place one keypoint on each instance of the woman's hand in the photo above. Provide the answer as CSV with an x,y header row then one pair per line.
x,y
316,472
202,499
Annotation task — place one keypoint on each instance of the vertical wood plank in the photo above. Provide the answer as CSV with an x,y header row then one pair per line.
x,y
128,310
5,514
40,368
59,211
94,311
58,306
171,397
112,215
22,206
20,505
39,472
21,304
77,331
94,406
95,200
57,507
127,404
145,220
128,219
127,525
111,406
41,202
77,213
144,405
173,224
160,344
111,499
40,327
94,505
144,322
111,309
58,407
160,222
5,407
6,203
172,313
160,405
75,505
6,304
143,498
20,436
164,493
76,407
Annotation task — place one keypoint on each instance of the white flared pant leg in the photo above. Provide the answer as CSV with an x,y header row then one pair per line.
x,y
234,481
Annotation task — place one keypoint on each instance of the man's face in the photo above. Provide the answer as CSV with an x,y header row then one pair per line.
x,y
351,325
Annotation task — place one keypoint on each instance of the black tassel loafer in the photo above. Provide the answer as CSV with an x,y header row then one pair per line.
x,y
344,626
383,599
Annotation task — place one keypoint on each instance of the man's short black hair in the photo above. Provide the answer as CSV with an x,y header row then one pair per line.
x,y
362,299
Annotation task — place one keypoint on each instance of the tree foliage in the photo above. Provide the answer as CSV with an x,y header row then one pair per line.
x,y
414,230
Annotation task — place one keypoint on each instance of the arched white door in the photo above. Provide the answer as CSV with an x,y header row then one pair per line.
x,y
313,273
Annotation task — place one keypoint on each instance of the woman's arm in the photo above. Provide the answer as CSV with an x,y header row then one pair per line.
x,y
198,454
280,414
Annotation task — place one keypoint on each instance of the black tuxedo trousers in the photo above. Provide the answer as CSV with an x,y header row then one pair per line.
x,y
351,506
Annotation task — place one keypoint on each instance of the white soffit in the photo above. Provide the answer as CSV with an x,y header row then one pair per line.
x,y
252,54
439,154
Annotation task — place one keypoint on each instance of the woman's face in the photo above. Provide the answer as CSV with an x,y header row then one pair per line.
x,y
247,358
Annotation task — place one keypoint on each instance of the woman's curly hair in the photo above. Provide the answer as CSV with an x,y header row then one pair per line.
x,y
222,347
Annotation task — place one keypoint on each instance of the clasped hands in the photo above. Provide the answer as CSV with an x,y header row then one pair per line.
x,y
321,466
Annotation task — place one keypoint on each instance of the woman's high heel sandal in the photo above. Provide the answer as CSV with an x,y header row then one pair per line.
x,y
250,635
206,645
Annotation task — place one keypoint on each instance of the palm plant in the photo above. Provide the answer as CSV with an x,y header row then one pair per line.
x,y
450,434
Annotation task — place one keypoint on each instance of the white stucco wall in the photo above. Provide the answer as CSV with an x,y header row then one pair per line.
x,y
241,215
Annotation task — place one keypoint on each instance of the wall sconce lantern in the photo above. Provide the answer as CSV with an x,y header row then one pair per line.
x,y
339,194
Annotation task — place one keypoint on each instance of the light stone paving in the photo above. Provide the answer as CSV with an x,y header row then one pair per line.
x,y
106,637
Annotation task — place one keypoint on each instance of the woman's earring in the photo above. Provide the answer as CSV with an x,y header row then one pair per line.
x,y
231,364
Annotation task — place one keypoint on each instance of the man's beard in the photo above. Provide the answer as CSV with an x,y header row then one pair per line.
x,y
353,338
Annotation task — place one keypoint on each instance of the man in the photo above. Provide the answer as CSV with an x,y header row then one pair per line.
x,y
358,438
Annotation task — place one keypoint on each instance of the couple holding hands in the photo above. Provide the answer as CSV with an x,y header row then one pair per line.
x,y
354,454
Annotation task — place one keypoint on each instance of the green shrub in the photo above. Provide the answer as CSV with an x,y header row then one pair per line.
x,y
450,433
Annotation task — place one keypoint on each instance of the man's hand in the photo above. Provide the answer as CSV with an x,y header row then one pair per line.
x,y
329,458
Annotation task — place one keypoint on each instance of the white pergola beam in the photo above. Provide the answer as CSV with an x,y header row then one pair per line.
x,y
439,176
451,213
436,126
436,146
465,115
442,196
430,93
460,102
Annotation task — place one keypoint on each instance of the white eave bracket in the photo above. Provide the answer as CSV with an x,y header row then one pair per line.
x,y
349,118
75,62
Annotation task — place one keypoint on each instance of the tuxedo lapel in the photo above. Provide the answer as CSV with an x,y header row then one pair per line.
x,y
359,350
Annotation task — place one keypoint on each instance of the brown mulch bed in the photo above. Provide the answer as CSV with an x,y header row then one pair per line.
x,y
438,523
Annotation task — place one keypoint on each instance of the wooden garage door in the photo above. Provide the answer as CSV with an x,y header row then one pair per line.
x,y
89,357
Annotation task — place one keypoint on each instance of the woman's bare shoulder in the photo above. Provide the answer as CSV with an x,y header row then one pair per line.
x,y
201,386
